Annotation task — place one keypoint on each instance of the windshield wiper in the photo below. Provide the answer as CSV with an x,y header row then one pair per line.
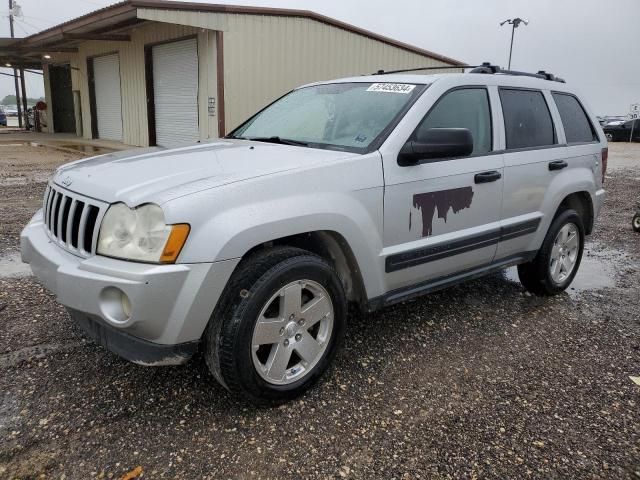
x,y
282,141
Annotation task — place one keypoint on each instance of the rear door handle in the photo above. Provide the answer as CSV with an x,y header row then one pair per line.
x,y
486,177
558,165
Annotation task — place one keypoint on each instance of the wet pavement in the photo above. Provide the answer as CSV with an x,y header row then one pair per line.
x,y
598,269
482,380
83,148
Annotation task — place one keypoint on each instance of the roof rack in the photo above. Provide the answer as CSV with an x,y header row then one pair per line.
x,y
487,68
405,70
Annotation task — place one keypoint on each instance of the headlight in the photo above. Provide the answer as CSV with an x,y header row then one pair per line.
x,y
140,234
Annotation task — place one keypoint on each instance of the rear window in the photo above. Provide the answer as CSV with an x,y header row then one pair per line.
x,y
527,121
577,127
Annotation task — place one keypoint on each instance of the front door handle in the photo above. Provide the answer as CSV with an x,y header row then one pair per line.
x,y
558,165
486,177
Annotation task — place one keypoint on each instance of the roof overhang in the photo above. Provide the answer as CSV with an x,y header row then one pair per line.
x,y
112,23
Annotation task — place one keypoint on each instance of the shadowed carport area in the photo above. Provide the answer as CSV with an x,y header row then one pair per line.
x,y
481,380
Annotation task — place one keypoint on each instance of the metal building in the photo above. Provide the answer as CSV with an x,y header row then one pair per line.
x,y
147,72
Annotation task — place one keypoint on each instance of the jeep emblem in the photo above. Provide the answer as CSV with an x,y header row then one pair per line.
x,y
66,181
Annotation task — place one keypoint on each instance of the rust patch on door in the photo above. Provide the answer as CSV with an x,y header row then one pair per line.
x,y
455,199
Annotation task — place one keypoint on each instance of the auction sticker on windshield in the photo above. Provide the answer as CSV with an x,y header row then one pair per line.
x,y
391,87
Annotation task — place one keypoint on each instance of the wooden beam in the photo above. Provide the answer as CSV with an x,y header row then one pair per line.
x,y
97,36
220,74
30,50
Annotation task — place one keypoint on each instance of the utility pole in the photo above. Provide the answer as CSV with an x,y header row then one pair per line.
x,y
15,71
515,23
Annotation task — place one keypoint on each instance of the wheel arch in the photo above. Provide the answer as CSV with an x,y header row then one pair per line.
x,y
582,203
335,249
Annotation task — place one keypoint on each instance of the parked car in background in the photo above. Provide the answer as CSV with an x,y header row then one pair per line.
x,y
611,118
11,111
620,130
365,191
3,117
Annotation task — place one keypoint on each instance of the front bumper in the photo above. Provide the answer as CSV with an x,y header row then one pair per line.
x,y
170,305
134,349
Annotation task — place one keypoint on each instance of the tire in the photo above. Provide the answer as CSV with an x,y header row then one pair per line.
x,y
539,276
259,305
635,223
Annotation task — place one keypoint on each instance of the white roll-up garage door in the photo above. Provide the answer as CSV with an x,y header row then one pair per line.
x,y
106,77
175,92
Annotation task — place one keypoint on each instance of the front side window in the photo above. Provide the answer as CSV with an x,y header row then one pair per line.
x,y
527,120
577,127
339,116
463,108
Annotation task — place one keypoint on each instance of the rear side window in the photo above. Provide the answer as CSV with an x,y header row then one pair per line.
x,y
527,121
577,127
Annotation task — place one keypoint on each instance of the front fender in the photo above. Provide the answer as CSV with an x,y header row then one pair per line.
x,y
356,216
344,196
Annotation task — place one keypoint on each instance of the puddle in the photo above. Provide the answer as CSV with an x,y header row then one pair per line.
x,y
12,267
85,148
20,144
75,147
8,181
38,177
597,271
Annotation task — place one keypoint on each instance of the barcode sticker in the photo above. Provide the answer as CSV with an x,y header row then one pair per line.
x,y
391,88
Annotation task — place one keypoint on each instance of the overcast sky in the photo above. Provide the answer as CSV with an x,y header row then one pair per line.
x,y
594,45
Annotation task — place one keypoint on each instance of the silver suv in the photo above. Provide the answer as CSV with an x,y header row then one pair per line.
x,y
365,191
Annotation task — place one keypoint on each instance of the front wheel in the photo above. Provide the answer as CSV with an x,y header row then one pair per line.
x,y
558,260
635,223
282,327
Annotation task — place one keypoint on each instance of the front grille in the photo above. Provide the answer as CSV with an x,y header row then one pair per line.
x,y
72,221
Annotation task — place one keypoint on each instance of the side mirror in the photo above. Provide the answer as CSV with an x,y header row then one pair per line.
x,y
436,143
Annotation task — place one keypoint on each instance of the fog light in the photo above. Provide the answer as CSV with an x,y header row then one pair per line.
x,y
115,305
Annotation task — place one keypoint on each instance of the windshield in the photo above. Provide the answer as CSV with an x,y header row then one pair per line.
x,y
341,116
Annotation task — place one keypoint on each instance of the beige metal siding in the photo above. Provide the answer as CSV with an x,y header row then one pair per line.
x,y
265,56
132,71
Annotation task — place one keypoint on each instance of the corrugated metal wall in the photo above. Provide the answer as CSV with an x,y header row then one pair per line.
x,y
132,71
264,57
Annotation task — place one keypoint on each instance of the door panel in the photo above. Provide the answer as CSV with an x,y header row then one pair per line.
x,y
437,219
526,182
530,177
443,222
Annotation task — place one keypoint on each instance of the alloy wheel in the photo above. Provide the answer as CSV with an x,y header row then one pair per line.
x,y
292,332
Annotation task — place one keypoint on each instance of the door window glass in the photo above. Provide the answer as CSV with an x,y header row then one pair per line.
x,y
527,121
463,108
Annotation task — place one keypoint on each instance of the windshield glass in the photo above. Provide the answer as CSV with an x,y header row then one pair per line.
x,y
343,116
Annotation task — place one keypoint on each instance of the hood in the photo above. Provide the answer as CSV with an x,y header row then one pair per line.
x,y
159,175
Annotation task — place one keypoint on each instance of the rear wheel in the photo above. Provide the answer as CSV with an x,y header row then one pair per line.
x,y
558,260
636,222
282,328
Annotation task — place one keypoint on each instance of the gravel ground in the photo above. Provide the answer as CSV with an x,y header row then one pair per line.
x,y
481,380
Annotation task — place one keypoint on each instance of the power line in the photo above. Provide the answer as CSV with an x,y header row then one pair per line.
x,y
16,24
27,24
